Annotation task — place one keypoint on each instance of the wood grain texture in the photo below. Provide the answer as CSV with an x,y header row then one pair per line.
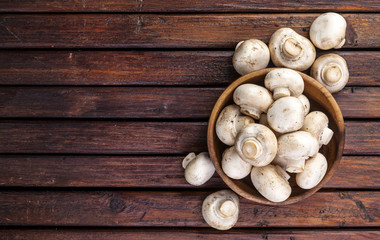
x,y
166,31
147,102
146,68
147,172
140,208
120,137
186,6
184,234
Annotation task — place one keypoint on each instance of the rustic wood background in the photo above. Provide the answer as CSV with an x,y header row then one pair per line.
x,y
101,100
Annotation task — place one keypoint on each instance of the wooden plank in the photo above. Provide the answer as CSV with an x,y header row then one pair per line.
x,y
148,67
164,171
173,31
179,209
108,102
143,102
120,137
186,6
184,234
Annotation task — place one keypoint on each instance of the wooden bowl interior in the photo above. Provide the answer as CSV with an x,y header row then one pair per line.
x,y
320,99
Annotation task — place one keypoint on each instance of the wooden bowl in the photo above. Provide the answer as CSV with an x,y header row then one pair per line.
x,y
320,99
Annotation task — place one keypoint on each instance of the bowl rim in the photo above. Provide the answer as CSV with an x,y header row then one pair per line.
x,y
338,119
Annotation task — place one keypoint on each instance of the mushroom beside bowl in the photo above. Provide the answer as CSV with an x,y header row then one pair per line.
x,y
320,99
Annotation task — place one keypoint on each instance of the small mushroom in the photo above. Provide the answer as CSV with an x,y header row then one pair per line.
x,y
256,144
233,166
331,71
250,55
305,102
271,182
284,82
252,99
220,210
328,31
229,123
286,115
317,123
289,49
295,148
198,168
315,170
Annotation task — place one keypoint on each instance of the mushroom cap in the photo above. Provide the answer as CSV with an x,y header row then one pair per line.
x,y
233,166
270,183
284,82
328,31
199,170
305,102
252,99
286,115
229,123
315,170
316,123
250,55
297,145
331,71
220,210
256,144
289,49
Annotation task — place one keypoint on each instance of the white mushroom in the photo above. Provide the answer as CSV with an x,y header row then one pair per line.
x,y
295,148
220,210
198,168
233,166
256,144
284,82
286,115
264,121
250,55
229,123
289,49
305,102
315,170
271,182
331,71
282,162
252,99
328,31
317,123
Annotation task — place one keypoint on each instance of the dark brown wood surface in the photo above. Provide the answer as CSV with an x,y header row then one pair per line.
x,y
167,31
145,102
147,172
121,137
183,233
180,209
101,100
148,68
186,6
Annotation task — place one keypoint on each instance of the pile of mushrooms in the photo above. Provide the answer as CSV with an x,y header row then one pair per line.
x,y
286,138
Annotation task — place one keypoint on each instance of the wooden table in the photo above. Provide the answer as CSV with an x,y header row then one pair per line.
x,y
101,100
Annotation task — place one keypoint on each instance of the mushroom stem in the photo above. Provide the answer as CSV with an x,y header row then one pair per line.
x,y
282,173
227,208
326,136
331,73
295,165
292,48
251,111
280,92
189,157
252,148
